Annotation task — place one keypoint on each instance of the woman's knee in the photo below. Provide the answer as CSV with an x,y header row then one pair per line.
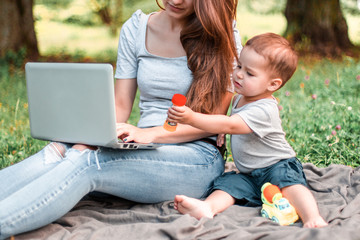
x,y
54,152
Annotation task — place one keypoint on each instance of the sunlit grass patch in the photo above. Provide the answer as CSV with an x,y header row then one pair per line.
x,y
15,140
319,108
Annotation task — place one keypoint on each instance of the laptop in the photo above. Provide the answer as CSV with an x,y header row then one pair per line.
x,y
74,103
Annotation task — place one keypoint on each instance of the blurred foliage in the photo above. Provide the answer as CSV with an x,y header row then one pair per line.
x,y
278,6
86,12
351,6
54,3
112,13
87,20
265,6
13,59
109,11
75,12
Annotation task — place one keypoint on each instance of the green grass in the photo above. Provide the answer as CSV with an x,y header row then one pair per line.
x,y
310,123
320,112
15,140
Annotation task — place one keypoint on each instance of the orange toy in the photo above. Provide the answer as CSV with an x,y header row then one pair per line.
x,y
177,100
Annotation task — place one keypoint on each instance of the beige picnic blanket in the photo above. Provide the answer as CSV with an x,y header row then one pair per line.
x,y
336,189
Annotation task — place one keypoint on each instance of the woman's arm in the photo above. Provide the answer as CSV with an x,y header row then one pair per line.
x,y
125,92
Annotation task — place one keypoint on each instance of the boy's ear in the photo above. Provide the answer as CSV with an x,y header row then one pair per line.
x,y
274,84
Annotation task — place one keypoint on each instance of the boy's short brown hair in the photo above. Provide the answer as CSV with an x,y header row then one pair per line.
x,y
281,57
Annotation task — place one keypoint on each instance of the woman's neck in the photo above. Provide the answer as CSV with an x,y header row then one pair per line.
x,y
163,36
169,23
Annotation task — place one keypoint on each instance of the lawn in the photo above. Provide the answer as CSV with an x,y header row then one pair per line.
x,y
320,112
319,106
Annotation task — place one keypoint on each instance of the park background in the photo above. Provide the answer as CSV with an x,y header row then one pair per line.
x,y
319,106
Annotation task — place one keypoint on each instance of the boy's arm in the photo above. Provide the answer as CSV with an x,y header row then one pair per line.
x,y
210,123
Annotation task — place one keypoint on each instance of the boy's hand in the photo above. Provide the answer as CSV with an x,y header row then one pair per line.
x,y
220,139
181,114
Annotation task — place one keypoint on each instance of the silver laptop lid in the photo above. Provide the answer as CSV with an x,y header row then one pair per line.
x,y
72,102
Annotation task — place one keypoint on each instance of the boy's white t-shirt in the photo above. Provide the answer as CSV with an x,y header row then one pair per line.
x,y
158,78
266,145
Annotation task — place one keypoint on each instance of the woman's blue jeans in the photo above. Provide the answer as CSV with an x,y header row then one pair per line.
x,y
45,186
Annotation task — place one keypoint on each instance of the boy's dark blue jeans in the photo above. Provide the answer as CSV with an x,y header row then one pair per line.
x,y
246,188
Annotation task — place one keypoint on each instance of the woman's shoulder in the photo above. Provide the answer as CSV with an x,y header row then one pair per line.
x,y
134,27
134,21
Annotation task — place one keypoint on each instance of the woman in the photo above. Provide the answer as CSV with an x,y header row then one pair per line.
x,y
188,47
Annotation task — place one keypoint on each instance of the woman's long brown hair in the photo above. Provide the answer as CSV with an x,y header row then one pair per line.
x,y
208,40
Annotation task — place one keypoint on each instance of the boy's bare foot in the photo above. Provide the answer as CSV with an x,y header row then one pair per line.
x,y
195,207
315,223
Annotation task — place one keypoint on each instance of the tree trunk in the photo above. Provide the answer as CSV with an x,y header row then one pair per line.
x,y
17,27
317,27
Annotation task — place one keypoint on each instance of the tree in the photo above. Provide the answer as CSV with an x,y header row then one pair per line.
x,y
317,27
17,28
109,11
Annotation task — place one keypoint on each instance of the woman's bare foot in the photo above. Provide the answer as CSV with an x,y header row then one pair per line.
x,y
315,223
192,206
